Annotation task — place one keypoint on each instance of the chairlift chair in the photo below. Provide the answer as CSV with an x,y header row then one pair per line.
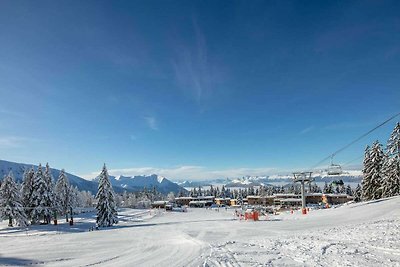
x,y
334,169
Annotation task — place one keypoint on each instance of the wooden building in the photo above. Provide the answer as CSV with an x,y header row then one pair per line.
x,y
336,199
260,200
159,204
314,198
183,201
223,201
200,201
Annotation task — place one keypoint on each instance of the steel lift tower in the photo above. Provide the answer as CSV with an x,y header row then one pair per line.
x,y
302,178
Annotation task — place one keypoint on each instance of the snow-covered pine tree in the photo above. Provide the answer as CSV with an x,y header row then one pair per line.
x,y
106,208
357,193
27,191
391,167
393,145
325,190
40,198
63,193
171,197
330,189
372,181
337,190
366,180
88,198
10,202
50,197
75,197
391,177
349,192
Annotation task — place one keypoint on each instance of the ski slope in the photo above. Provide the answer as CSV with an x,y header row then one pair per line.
x,y
363,234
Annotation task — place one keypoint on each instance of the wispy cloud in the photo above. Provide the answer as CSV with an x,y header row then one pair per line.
x,y
189,172
195,71
307,130
151,122
12,141
10,113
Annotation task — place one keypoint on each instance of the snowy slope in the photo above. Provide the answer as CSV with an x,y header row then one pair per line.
x,y
364,234
19,168
138,183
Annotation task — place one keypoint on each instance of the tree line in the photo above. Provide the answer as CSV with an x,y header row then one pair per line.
x,y
381,171
335,187
38,198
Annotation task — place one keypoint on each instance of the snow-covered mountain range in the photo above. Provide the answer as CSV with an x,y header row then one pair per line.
x,y
19,168
164,185
136,183
120,183
249,181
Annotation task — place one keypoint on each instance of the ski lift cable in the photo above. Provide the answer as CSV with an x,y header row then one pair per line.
x,y
353,142
351,161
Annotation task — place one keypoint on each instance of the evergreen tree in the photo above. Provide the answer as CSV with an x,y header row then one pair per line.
x,y
27,191
50,197
291,189
194,194
349,192
63,194
337,190
200,192
222,191
366,181
171,197
318,189
75,197
326,188
88,198
180,193
106,208
391,166
40,198
212,193
391,176
372,181
10,202
357,193
393,145
217,192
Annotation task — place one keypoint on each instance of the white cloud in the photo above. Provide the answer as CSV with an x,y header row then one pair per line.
x,y
151,122
196,72
12,141
10,113
307,130
188,172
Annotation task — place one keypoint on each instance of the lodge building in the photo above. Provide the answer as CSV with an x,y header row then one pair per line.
x,y
283,200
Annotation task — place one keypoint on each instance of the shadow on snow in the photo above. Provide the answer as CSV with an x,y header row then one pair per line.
x,y
10,261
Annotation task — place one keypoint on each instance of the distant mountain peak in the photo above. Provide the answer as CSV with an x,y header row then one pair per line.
x,y
139,182
19,168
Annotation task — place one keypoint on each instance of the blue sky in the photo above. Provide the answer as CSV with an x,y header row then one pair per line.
x,y
195,89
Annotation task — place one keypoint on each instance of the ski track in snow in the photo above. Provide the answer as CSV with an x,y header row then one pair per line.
x,y
364,234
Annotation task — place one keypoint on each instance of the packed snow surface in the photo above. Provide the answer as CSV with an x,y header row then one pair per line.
x,y
363,234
